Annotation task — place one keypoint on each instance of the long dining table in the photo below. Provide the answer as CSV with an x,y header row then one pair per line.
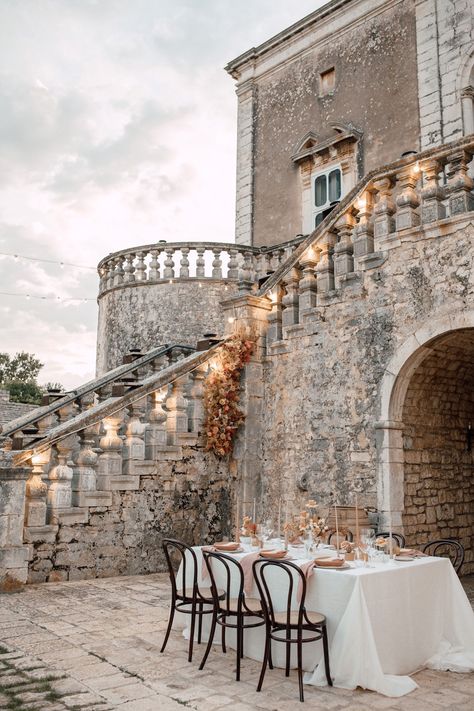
x,y
385,622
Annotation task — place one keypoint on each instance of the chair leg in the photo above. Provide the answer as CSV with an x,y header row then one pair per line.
x,y
270,658
288,653
200,608
326,656
210,641
191,635
168,629
239,647
223,640
265,660
242,641
299,646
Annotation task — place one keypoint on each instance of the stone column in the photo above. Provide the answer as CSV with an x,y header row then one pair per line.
x,y
110,460
196,393
13,554
60,490
460,183
36,490
390,482
177,406
134,445
84,481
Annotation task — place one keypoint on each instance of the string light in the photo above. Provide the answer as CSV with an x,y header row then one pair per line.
x,y
48,298
16,257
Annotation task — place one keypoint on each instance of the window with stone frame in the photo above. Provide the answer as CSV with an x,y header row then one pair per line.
x,y
326,192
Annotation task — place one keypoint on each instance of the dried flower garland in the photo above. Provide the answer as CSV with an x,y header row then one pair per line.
x,y
221,395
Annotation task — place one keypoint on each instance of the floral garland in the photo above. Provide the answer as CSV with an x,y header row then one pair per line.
x,y
221,395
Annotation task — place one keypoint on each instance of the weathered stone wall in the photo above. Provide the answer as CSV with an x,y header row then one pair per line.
x,y
11,410
187,499
322,381
279,86
148,315
439,466
445,69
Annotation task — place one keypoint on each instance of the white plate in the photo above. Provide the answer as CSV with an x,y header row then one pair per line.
x,y
403,558
344,566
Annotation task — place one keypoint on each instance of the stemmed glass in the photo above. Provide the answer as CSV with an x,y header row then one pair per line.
x,y
367,540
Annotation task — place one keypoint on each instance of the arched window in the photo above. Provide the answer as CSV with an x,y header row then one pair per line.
x,y
466,87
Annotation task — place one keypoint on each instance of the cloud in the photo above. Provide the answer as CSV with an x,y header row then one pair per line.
x,y
117,128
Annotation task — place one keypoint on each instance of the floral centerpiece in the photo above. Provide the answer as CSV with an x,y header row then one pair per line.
x,y
221,395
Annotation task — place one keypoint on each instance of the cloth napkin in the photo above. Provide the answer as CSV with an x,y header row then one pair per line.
x,y
246,562
307,569
412,553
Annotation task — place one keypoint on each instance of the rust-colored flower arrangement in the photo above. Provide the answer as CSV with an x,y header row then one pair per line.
x,y
222,393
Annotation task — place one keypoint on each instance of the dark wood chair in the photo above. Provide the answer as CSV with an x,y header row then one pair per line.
x,y
399,538
293,621
344,535
447,548
187,595
232,609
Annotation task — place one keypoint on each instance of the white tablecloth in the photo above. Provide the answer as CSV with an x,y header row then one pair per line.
x,y
384,623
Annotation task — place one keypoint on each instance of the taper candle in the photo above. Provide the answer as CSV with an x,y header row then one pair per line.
x,y
254,512
237,519
337,530
357,521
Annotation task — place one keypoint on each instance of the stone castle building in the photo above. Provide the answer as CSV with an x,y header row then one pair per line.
x,y
351,270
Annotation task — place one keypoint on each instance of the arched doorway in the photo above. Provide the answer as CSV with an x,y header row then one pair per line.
x,y
426,442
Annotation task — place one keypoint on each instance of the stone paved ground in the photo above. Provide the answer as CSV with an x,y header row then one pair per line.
x,y
94,646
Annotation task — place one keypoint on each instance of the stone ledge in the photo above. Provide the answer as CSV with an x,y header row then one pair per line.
x,y
40,534
124,483
70,516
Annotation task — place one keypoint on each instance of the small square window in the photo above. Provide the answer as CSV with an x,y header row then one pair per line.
x,y
327,81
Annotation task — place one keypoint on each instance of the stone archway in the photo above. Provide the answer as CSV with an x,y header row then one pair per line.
x,y
426,470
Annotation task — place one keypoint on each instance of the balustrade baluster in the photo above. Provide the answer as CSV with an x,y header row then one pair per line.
x,y
184,263
154,269
407,200
59,496
134,445
432,193
110,273
196,393
177,406
84,480
119,273
36,490
102,279
140,273
290,300
245,282
129,268
325,267
384,224
155,431
110,459
217,264
460,183
233,267
200,262
308,285
363,235
274,332
168,272
343,250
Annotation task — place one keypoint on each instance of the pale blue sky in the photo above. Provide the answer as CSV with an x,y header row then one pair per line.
x,y
117,128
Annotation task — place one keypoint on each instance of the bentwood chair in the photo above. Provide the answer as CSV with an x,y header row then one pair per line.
x,y
233,608
344,535
447,548
187,595
399,538
289,625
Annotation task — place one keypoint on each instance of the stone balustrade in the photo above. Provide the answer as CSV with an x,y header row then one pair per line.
x,y
167,262
93,446
397,203
36,424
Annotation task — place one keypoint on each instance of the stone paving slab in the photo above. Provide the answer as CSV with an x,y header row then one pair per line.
x,y
94,646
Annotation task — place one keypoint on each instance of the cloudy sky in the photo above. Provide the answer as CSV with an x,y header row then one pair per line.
x,y
117,128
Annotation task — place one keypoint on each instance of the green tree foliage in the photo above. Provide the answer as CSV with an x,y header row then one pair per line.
x,y
18,375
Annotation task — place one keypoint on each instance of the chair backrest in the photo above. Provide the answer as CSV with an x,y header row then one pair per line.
x,y
291,582
447,548
344,535
226,575
399,538
181,556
